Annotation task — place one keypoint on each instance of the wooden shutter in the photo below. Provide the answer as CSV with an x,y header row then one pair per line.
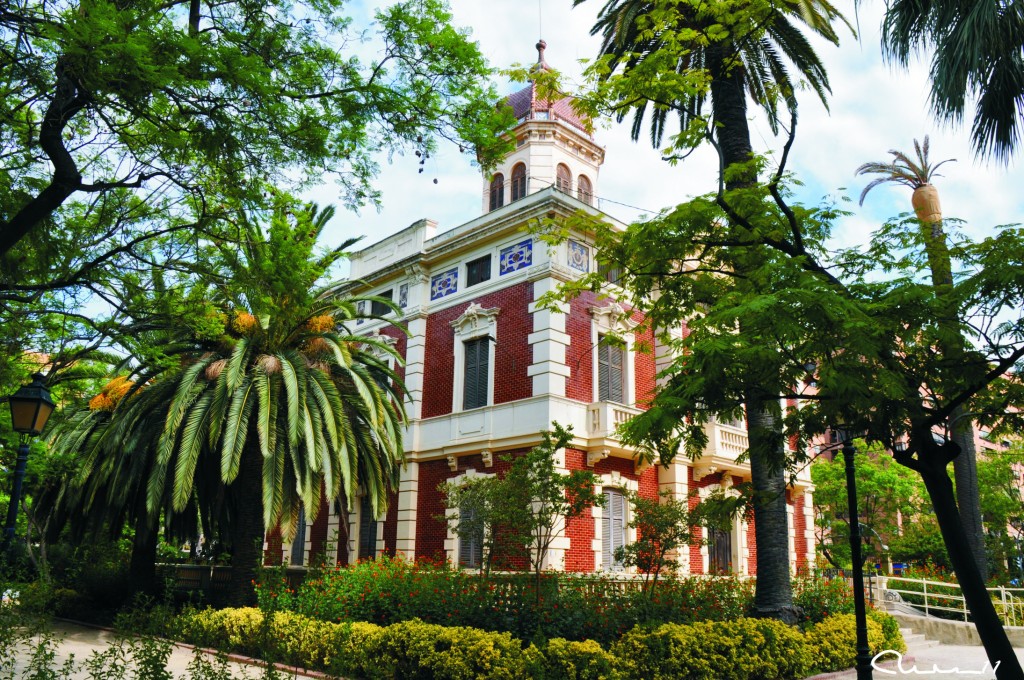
x,y
477,354
299,544
613,528
367,530
609,372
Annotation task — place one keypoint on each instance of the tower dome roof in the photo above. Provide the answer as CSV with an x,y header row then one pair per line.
x,y
526,105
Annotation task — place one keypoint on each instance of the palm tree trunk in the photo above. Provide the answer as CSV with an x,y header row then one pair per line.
x,y
972,584
951,344
247,531
773,594
142,566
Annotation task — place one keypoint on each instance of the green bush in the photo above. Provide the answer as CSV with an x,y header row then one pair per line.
x,y
570,660
389,590
833,642
745,648
891,634
820,597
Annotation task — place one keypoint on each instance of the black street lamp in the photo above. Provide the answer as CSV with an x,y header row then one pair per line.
x,y
31,407
863,652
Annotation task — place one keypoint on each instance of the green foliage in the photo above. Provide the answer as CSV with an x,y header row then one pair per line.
x,y
519,513
892,637
886,492
663,525
833,642
573,660
574,607
740,649
819,598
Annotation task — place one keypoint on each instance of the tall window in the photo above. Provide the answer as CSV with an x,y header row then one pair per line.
x,y
519,181
563,178
471,547
719,551
367,530
478,355
478,270
584,190
613,528
497,191
379,308
609,371
299,542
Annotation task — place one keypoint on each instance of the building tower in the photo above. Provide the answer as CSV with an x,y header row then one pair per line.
x,y
554,147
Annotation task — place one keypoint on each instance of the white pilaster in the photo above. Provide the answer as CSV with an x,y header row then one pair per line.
x,y
408,497
675,480
548,342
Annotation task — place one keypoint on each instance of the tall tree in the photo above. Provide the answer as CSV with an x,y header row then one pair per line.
x,y
269,394
675,57
191,101
975,55
865,315
917,173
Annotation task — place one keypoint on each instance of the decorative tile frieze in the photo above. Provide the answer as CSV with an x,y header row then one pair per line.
x,y
516,257
403,295
444,284
579,257
360,311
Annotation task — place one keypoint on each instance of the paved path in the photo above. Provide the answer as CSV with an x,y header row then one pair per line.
x,y
83,641
930,660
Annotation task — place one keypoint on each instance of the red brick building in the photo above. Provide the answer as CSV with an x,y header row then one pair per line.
x,y
487,369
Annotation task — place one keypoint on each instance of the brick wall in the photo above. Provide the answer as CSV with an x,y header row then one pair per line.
x,y
645,370
512,354
272,556
430,531
800,526
751,544
696,559
318,530
581,531
579,353
401,343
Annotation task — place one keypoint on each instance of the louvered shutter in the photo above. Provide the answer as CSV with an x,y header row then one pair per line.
x,y
299,544
609,372
477,355
367,530
471,546
613,529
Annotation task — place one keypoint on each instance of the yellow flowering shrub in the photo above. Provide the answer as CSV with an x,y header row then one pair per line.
x,y
833,642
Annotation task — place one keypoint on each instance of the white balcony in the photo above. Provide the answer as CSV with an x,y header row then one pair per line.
x,y
725,442
604,417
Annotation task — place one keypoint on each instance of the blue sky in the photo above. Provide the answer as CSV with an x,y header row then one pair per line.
x,y
873,108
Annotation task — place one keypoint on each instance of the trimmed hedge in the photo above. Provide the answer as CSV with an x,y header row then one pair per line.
x,y
742,649
745,648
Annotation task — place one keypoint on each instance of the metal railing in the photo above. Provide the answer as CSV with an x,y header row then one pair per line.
x,y
945,600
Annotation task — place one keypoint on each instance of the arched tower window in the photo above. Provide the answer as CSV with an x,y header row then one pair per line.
x,y
563,178
519,181
585,190
497,191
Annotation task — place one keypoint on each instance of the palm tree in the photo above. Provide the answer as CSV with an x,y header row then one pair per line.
x,y
268,401
917,173
752,63
751,60
977,54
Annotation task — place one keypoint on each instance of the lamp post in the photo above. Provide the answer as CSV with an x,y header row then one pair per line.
x,y
863,652
31,407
